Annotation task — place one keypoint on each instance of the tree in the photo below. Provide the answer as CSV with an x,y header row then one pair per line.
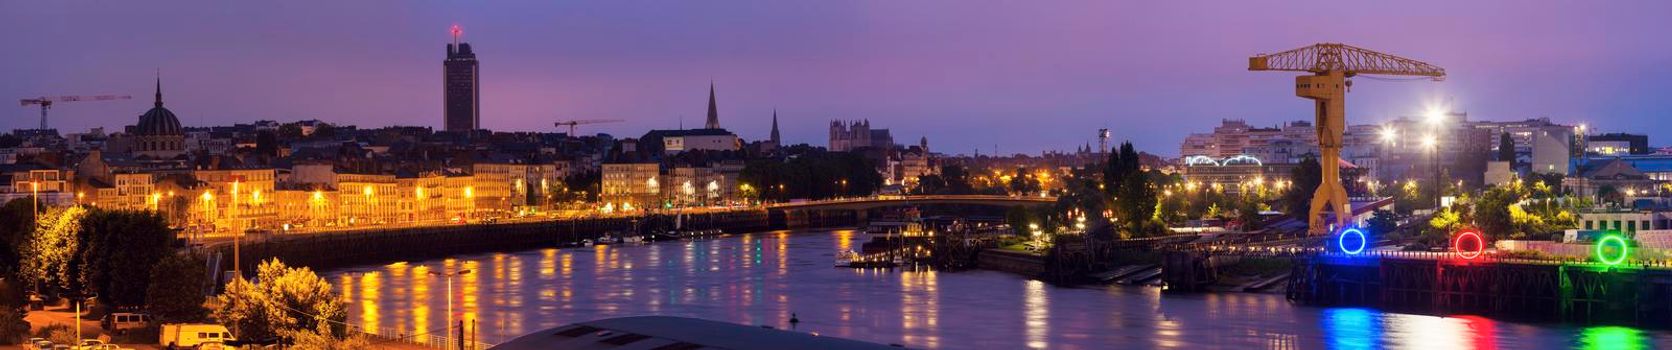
x,y
13,328
1383,222
1020,219
17,224
53,247
1131,190
285,302
118,250
585,183
175,293
1492,211
1306,176
957,179
1506,149
813,174
1123,162
1023,182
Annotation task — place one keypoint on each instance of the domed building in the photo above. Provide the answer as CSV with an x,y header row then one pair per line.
x,y
158,134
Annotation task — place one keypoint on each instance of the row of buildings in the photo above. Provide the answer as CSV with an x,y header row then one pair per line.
x,y
1448,146
309,174
247,180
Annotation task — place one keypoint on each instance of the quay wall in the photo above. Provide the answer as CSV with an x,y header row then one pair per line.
x,y
1011,261
338,249
1586,293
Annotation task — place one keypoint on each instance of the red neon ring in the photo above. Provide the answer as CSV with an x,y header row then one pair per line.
x,y
1457,245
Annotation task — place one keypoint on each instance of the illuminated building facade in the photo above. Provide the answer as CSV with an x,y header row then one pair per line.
x,y
635,184
369,199
236,200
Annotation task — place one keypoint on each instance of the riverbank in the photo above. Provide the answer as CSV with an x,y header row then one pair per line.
x,y
323,251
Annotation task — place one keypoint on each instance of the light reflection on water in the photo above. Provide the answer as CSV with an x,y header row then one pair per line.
x,y
764,278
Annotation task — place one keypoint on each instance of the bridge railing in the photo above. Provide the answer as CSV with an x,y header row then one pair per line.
x,y
430,340
1494,257
877,198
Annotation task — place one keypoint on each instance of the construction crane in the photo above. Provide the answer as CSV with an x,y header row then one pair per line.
x,y
47,102
572,123
1330,64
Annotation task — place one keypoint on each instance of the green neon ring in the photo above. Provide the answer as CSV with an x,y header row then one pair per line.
x,y
1617,258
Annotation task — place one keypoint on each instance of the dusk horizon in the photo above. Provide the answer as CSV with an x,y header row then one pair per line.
x,y
1077,67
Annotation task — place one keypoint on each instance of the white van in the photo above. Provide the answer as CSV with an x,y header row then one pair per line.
x,y
189,335
121,322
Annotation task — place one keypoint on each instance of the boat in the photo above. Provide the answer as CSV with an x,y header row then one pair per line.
x,y
852,259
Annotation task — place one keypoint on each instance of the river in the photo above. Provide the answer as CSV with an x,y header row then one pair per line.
x,y
764,278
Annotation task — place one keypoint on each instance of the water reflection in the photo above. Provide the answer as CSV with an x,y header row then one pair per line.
x,y
763,279
1036,311
1622,338
1352,329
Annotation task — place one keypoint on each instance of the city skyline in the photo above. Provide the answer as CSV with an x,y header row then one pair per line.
x,y
909,66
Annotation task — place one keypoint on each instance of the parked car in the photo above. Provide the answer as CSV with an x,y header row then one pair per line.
x,y
121,322
191,335
38,344
89,344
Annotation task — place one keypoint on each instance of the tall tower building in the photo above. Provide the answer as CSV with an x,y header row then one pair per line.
x,y
713,111
461,87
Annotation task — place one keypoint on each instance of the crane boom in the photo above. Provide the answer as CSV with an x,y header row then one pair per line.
x,y
1348,59
572,123
47,102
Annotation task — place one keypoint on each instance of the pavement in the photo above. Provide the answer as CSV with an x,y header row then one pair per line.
x,y
62,315
90,330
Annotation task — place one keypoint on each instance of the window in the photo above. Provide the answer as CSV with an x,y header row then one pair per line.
x,y
1631,226
1588,224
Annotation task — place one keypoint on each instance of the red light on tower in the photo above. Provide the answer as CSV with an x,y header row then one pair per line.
x,y
456,33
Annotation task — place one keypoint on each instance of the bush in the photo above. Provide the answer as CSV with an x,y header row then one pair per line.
x,y
58,333
13,329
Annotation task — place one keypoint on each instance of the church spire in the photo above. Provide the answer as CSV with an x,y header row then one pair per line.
x,y
159,102
713,111
775,139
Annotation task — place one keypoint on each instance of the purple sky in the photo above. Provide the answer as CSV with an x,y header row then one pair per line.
x,y
1024,75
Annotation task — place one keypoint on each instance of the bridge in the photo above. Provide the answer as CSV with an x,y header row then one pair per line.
x,y
863,203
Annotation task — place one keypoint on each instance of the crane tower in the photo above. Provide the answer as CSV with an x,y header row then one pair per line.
x,y
1330,64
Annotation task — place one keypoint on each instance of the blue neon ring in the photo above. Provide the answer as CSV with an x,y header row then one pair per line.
x,y
1342,241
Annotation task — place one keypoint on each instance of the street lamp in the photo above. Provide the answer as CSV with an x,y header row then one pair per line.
x,y
1435,116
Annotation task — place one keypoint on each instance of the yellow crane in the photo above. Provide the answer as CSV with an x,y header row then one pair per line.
x,y
1330,64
